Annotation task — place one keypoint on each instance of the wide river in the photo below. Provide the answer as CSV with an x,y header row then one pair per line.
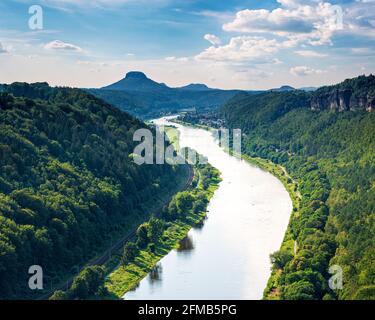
x,y
227,257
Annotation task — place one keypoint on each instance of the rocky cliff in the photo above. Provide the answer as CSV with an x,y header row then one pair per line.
x,y
352,94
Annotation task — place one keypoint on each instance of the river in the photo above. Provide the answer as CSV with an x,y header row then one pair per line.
x,y
228,256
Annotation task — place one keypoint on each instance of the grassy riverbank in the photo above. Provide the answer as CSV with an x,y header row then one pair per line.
x,y
127,276
288,244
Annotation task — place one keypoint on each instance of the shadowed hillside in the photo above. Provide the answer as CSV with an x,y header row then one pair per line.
x,y
68,185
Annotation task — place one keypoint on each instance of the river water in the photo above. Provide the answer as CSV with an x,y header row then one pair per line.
x,y
228,256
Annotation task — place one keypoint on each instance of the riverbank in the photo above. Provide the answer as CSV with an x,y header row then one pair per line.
x,y
126,277
291,186
110,258
288,244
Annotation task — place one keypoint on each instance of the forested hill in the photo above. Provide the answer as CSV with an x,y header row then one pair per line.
x,y
357,94
67,181
332,156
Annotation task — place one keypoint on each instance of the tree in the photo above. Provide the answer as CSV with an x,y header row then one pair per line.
x,y
184,202
280,258
200,203
88,282
79,288
171,211
59,295
130,252
142,235
155,230
301,290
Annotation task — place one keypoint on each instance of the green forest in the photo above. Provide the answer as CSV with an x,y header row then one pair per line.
x,y
153,239
332,156
68,186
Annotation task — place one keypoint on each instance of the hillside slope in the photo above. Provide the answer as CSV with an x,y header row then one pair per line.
x,y
332,156
67,183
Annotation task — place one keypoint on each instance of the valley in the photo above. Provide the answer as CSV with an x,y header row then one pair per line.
x,y
75,171
158,156
228,255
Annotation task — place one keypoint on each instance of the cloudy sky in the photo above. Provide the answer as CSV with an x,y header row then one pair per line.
x,y
245,44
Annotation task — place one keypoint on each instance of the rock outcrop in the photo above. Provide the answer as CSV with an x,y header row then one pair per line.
x,y
354,94
342,100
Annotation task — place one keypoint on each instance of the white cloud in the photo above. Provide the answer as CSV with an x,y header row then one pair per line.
x,y
301,71
3,49
64,46
170,58
250,75
288,3
308,22
277,39
310,54
95,64
214,14
312,23
212,39
181,59
296,3
363,51
278,20
240,49
360,19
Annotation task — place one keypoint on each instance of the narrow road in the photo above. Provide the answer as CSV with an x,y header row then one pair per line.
x,y
106,256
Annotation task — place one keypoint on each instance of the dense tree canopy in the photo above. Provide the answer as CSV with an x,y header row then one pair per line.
x,y
67,182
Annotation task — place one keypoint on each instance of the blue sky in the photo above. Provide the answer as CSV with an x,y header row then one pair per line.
x,y
229,44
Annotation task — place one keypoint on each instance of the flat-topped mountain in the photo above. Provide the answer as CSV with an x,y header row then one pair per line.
x,y
137,81
146,98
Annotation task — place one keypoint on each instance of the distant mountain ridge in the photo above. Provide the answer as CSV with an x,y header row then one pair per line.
x,y
283,89
196,87
146,98
138,81
357,94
